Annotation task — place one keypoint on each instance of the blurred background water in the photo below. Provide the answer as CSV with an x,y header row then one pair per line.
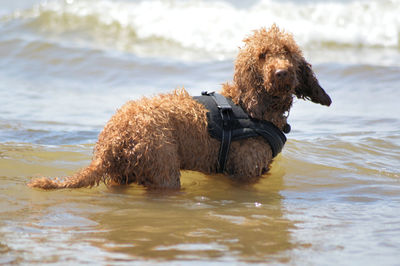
x,y
332,196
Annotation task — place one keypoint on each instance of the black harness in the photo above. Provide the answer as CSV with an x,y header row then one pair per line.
x,y
228,122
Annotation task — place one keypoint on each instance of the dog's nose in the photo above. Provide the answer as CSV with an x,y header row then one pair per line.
x,y
281,73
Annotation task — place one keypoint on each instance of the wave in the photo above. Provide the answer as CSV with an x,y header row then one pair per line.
x,y
208,27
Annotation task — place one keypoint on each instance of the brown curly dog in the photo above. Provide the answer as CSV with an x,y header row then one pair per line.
x,y
149,140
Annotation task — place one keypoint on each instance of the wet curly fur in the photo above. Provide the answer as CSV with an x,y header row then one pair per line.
x,y
150,140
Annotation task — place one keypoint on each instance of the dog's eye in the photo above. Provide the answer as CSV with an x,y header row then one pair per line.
x,y
286,49
262,56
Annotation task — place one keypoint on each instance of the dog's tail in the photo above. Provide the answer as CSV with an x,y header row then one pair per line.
x,y
87,177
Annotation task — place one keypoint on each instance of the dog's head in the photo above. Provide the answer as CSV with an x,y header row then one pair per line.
x,y
272,63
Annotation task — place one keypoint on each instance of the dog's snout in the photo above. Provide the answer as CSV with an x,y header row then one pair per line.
x,y
281,73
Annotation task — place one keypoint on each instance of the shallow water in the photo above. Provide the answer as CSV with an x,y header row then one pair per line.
x,y
331,198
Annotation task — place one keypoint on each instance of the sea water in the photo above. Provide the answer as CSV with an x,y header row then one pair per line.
x,y
332,196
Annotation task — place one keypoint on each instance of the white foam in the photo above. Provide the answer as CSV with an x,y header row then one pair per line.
x,y
219,27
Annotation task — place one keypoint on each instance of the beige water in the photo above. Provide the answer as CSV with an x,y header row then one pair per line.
x,y
300,213
211,218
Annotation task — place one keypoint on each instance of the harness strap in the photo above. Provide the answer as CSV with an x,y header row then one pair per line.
x,y
228,122
226,111
220,100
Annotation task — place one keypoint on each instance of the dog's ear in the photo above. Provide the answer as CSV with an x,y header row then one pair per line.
x,y
247,76
309,87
